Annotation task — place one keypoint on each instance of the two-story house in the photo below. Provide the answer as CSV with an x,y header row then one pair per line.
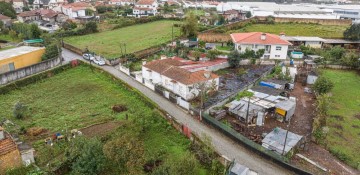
x,y
182,81
275,47
145,8
76,9
121,2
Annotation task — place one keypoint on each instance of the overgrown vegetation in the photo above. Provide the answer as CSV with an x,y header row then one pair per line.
x,y
296,29
137,37
342,116
85,98
353,32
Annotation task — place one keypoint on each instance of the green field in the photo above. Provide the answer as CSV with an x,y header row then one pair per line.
x,y
344,122
297,29
136,38
80,97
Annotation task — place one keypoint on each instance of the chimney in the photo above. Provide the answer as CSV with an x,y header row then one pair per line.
x,y
2,135
263,36
282,35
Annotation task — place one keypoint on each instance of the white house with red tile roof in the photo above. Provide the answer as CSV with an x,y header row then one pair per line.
x,y
275,47
76,9
175,76
122,2
145,8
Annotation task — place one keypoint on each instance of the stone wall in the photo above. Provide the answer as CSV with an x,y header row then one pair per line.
x,y
14,75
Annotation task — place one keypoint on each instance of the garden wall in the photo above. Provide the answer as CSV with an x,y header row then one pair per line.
x,y
336,22
72,48
14,75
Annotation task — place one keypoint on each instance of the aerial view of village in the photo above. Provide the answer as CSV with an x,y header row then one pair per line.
x,y
179,87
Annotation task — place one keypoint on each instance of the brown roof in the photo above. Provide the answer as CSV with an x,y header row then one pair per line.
x,y
77,4
4,17
7,146
161,65
169,68
145,2
28,13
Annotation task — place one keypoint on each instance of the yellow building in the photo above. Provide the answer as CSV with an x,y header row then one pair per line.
x,y
19,57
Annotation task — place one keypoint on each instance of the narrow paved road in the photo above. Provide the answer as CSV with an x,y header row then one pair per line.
x,y
222,143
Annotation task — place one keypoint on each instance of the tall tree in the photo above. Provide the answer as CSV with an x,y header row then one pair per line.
x,y
88,156
7,9
190,26
34,32
353,32
234,59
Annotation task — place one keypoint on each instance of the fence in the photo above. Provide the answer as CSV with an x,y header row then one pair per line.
x,y
258,149
124,69
17,74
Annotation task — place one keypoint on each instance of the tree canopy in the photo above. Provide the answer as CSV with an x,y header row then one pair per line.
x,y
234,59
323,85
7,9
190,26
353,32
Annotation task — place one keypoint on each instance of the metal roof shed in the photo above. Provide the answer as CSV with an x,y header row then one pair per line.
x,y
286,108
275,140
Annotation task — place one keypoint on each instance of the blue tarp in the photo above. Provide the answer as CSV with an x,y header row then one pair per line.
x,y
262,83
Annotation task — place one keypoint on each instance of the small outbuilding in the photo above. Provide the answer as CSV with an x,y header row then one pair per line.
x,y
275,140
285,109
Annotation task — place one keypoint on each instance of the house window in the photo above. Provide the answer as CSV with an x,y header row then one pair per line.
x,y
256,46
277,56
278,47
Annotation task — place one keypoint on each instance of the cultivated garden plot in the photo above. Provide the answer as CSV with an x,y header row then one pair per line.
x,y
82,98
136,38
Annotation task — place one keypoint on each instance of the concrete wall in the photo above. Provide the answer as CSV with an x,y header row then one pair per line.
x,y
21,61
336,22
27,71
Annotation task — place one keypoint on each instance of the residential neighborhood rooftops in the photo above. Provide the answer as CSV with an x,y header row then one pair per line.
x,y
172,68
145,2
258,38
18,51
4,17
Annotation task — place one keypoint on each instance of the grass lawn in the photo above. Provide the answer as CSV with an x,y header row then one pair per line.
x,y
8,38
225,48
344,136
78,98
300,29
136,38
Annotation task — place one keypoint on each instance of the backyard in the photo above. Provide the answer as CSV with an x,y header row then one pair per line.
x,y
136,38
82,97
343,139
297,29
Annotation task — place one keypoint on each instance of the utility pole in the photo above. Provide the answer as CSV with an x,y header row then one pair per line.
x,y
172,33
287,131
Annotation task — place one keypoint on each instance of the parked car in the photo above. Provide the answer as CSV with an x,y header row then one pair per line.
x,y
88,56
99,62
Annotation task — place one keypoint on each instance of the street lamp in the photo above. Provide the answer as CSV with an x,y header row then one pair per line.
x,y
207,75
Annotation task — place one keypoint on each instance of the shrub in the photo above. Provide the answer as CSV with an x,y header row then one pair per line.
x,y
323,85
19,110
